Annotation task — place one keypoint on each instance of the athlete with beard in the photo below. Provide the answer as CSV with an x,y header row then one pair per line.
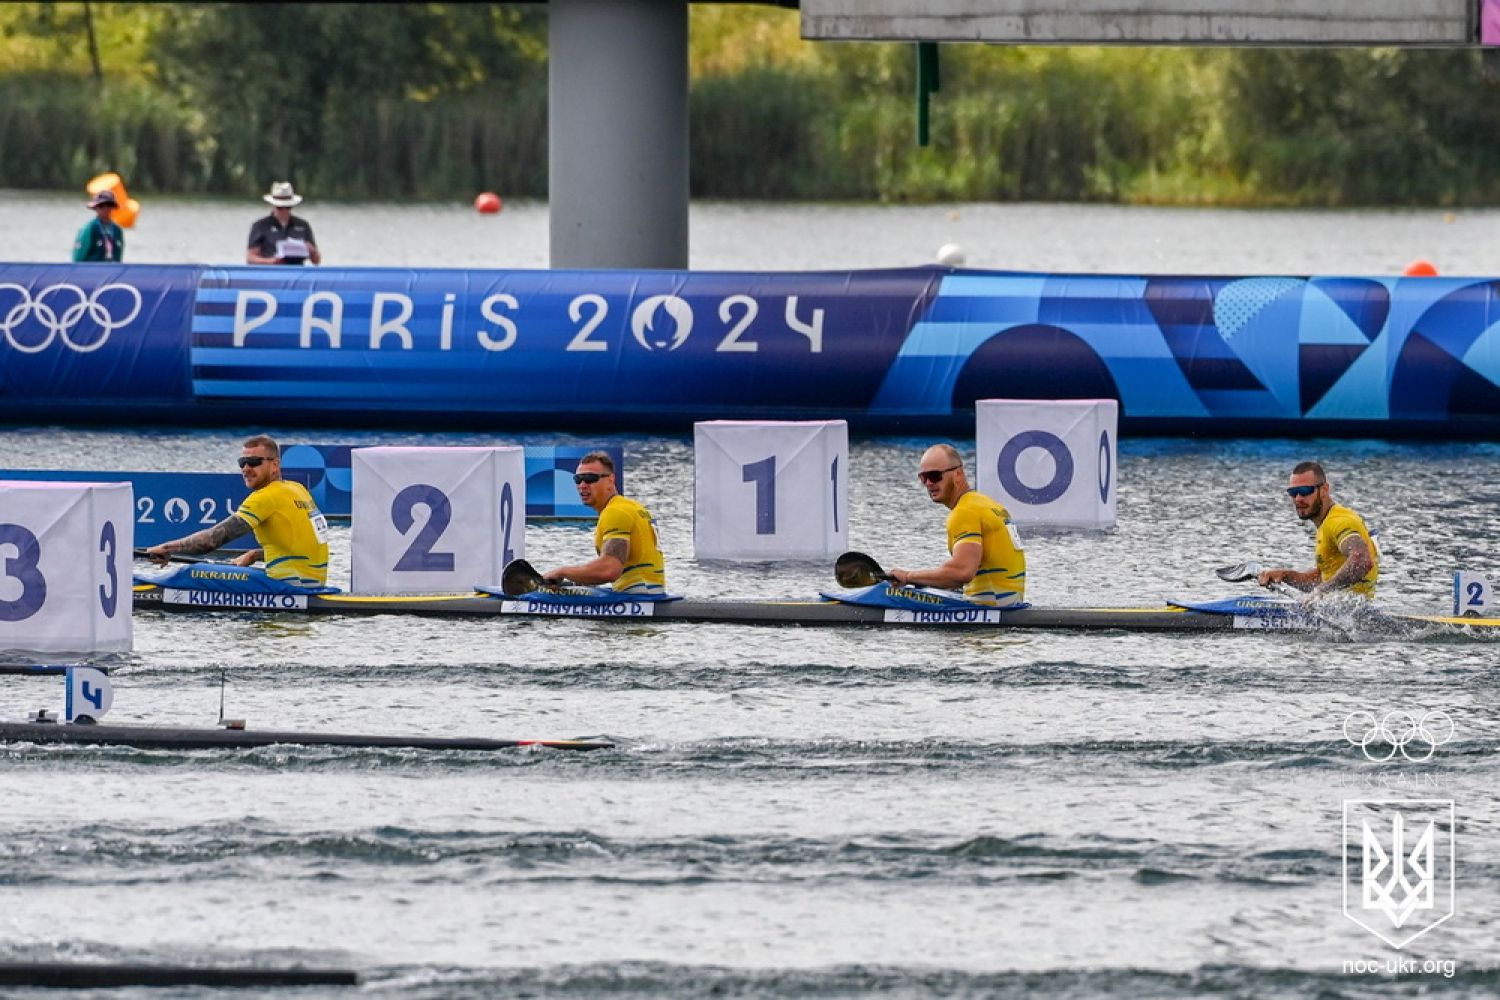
x,y
290,530
1347,557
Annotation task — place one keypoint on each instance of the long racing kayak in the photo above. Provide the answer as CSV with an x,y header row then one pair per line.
x,y
1216,616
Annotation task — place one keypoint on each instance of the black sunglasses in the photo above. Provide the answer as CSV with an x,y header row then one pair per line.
x,y
589,477
1302,491
935,475
252,461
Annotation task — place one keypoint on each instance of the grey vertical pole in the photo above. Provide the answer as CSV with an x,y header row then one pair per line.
x,y
617,119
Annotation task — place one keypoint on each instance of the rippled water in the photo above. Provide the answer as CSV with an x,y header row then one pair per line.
x,y
808,811
812,812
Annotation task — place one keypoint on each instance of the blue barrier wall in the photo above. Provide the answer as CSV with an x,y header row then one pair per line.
x,y
903,349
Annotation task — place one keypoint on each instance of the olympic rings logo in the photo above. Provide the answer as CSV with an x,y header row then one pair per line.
x,y
1399,730
59,308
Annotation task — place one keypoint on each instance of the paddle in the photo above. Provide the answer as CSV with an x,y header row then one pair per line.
x,y
176,557
520,577
855,569
1239,572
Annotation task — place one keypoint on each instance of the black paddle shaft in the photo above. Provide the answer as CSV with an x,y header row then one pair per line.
x,y
176,557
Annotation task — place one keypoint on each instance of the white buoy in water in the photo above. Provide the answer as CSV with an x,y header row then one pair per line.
x,y
950,255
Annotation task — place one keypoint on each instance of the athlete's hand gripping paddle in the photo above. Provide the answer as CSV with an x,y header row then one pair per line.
x,y
1241,572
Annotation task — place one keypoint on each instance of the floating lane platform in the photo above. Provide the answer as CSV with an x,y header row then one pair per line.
x,y
117,975
170,738
766,612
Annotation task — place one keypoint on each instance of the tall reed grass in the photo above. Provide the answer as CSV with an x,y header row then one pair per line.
x,y
1244,127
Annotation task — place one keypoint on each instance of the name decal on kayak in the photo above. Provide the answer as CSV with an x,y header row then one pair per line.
x,y
218,599
620,609
957,616
1271,623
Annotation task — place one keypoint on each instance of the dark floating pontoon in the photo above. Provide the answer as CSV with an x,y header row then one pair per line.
x,y
39,669
91,975
168,738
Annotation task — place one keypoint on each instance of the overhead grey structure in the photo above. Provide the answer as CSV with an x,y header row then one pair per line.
x,y
617,118
1417,23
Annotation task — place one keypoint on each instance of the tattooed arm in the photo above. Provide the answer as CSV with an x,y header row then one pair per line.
x,y
604,568
207,540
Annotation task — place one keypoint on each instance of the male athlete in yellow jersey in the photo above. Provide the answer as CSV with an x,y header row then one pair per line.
x,y
625,538
985,554
1347,557
292,532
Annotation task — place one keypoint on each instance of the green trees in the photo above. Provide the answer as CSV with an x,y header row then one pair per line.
x,y
290,84
1363,127
353,100
438,101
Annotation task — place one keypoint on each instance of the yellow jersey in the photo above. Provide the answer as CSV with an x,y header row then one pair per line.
x,y
1002,561
645,571
1340,523
291,530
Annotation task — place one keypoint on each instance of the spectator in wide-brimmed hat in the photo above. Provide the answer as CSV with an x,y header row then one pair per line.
x,y
101,238
281,237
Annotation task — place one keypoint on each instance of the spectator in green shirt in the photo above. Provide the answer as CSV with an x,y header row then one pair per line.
x,y
101,238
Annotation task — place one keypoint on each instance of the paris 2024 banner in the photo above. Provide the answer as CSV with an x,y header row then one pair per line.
x,y
889,350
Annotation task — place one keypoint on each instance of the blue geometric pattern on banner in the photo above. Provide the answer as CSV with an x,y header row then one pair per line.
x,y
168,505
1435,374
889,595
225,578
1247,355
326,471
549,479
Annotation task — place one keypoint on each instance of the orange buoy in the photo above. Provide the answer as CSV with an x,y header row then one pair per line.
x,y
1420,268
128,208
126,213
487,203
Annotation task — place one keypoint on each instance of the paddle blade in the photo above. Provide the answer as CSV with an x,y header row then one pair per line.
x,y
1239,572
520,577
855,569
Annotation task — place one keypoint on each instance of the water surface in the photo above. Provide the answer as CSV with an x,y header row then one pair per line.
x,y
791,811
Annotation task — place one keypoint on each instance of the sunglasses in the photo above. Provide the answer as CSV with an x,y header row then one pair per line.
x,y
252,461
589,477
933,476
1302,491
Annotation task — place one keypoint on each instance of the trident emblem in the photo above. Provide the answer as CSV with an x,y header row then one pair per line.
x,y
1405,876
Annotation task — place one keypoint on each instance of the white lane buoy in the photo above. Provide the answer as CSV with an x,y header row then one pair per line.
x,y
950,255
